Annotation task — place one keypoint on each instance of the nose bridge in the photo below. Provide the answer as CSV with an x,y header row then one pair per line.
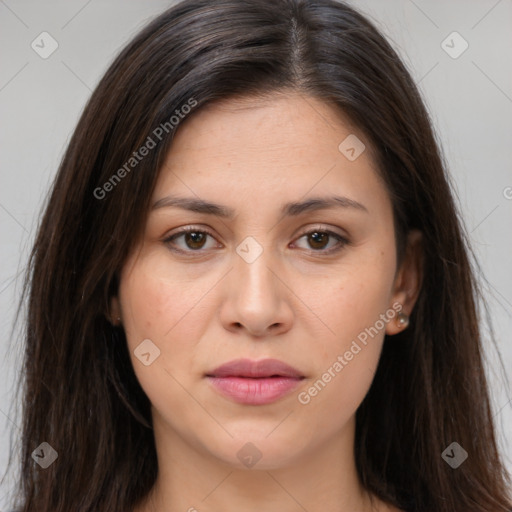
x,y
252,269
255,299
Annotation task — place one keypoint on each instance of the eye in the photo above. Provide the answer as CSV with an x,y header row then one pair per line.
x,y
194,239
319,240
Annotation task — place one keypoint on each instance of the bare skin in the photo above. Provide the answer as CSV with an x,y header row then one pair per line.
x,y
303,300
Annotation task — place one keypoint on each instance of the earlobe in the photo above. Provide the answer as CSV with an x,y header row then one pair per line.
x,y
398,324
407,283
114,314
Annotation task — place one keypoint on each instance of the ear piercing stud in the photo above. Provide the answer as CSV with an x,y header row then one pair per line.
x,y
402,320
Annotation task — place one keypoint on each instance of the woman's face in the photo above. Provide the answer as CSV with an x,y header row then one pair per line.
x,y
250,283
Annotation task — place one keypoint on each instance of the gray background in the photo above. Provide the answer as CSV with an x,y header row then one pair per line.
x,y
469,97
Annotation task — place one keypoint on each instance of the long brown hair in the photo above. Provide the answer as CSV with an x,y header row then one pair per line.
x,y
80,393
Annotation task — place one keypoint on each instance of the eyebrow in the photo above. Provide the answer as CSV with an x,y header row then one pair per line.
x,y
288,209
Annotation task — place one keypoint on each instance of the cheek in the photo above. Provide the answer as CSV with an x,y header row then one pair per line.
x,y
356,313
157,302
161,306
354,296
345,367
331,400
145,302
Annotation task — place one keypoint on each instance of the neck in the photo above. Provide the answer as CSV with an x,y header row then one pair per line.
x,y
191,479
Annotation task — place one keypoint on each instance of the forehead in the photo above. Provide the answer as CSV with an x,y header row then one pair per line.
x,y
275,120
265,147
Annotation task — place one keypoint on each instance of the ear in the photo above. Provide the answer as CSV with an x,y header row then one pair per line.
x,y
114,315
408,279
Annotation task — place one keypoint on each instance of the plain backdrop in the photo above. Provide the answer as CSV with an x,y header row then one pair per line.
x,y
468,93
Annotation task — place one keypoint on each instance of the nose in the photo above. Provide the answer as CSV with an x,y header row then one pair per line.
x,y
256,300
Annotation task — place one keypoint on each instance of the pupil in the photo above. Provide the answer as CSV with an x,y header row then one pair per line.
x,y
196,238
318,238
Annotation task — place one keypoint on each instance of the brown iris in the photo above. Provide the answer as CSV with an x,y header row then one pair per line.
x,y
318,238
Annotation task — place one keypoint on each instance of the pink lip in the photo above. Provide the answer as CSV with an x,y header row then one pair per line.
x,y
255,382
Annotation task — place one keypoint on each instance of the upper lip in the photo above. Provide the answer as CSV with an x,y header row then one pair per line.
x,y
255,369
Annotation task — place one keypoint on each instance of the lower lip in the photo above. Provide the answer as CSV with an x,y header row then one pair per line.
x,y
254,391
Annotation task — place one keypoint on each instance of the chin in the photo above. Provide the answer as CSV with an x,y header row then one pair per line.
x,y
260,451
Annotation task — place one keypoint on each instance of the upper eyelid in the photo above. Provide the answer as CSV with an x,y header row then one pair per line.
x,y
187,229
192,228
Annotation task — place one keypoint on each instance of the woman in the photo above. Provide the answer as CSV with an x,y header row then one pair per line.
x,y
250,289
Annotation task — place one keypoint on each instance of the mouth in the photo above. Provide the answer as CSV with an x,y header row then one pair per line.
x,y
255,382
246,368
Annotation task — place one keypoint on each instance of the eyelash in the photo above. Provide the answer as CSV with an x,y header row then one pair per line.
x,y
342,241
